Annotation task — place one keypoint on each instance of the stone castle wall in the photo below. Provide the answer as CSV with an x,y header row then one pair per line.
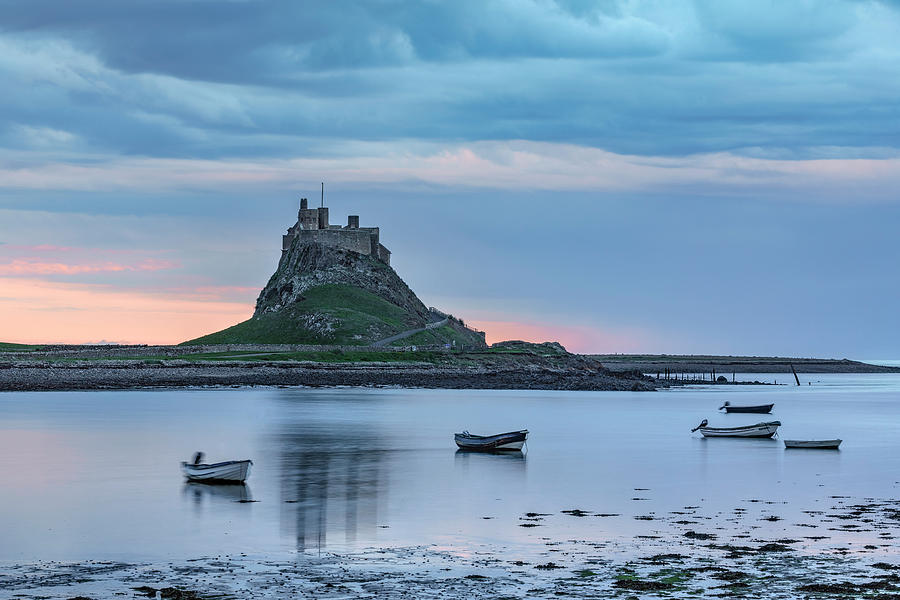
x,y
312,226
356,240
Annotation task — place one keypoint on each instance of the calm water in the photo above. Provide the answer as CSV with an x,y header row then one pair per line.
x,y
94,475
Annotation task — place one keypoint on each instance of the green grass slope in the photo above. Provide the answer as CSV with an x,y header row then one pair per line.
x,y
355,316
9,347
445,334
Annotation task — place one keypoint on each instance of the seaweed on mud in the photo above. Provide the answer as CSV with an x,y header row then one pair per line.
x,y
829,588
773,547
642,585
168,593
673,576
730,575
662,558
548,566
733,551
576,512
173,593
699,536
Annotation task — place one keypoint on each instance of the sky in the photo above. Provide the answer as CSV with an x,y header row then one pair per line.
x,y
621,176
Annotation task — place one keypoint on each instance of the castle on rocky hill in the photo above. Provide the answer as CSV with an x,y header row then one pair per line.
x,y
312,226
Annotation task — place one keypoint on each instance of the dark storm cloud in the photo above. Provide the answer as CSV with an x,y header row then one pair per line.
x,y
202,78
273,42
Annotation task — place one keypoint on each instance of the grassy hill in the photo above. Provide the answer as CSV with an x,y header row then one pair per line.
x,y
328,314
326,295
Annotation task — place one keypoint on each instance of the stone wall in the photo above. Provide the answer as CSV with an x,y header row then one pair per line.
x,y
383,254
312,227
350,239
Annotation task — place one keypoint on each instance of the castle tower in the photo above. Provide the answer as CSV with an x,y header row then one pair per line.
x,y
312,226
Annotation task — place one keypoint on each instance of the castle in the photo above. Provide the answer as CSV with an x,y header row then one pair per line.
x,y
312,226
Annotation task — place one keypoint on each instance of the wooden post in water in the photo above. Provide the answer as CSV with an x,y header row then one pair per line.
x,y
797,379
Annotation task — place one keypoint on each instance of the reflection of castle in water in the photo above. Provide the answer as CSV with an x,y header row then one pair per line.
x,y
330,482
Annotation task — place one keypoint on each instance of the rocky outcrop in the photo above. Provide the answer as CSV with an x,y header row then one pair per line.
x,y
308,265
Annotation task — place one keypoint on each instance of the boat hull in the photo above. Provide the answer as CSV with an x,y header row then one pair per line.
x,y
813,444
510,441
758,430
233,471
762,409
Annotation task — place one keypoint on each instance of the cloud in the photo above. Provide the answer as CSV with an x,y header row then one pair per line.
x,y
769,30
254,42
33,266
508,165
50,260
277,79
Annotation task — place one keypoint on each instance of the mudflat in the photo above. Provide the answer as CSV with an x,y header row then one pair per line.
x,y
691,553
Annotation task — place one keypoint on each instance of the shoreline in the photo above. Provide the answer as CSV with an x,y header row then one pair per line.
x,y
691,364
528,366
178,374
845,550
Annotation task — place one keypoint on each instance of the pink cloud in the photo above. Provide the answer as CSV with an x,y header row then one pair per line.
x,y
35,266
585,339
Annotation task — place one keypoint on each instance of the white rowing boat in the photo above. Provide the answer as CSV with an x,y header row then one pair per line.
x,y
757,430
813,444
511,440
231,471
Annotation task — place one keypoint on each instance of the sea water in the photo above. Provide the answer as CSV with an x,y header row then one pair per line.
x,y
95,475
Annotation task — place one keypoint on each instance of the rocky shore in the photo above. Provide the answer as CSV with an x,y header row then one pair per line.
x,y
110,374
506,365
846,550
